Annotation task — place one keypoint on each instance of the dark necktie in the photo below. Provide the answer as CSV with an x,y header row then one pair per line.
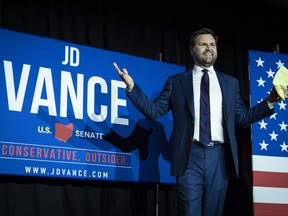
x,y
205,128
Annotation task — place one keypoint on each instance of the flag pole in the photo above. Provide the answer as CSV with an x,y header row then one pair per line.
x,y
277,49
159,57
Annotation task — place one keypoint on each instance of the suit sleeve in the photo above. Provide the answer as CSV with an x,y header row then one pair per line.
x,y
246,116
151,109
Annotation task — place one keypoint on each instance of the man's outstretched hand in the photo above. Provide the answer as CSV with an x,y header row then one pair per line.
x,y
274,97
125,77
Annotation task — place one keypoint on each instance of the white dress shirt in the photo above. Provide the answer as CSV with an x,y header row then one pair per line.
x,y
215,104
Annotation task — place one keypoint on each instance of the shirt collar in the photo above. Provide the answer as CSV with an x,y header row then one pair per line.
x,y
197,69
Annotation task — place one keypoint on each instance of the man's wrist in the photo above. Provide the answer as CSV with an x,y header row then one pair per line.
x,y
270,104
129,88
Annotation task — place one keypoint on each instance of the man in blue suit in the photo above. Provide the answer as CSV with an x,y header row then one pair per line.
x,y
202,170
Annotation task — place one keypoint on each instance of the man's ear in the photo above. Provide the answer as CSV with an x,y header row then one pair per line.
x,y
192,51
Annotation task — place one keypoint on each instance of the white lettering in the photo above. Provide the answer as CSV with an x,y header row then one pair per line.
x,y
66,59
44,94
88,134
76,99
91,97
15,103
115,102
74,56
74,62
44,79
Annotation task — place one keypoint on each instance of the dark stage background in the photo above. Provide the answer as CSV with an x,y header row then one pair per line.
x,y
146,29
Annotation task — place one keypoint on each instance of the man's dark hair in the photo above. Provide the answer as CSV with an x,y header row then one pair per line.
x,y
201,32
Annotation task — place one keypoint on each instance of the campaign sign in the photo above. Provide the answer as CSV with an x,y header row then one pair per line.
x,y
65,114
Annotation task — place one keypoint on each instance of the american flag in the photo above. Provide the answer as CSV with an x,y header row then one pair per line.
x,y
269,138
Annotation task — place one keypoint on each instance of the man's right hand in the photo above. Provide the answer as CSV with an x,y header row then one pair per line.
x,y
125,77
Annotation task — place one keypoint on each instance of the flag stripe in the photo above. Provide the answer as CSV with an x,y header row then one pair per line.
x,y
270,179
263,209
270,195
270,163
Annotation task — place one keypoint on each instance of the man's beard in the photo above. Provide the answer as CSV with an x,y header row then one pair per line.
x,y
206,63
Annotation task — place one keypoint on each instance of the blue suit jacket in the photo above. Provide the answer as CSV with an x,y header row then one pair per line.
x,y
177,96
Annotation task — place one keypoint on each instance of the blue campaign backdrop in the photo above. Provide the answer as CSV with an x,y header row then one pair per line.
x,y
65,114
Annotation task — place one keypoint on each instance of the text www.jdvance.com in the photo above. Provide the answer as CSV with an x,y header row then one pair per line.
x,y
60,172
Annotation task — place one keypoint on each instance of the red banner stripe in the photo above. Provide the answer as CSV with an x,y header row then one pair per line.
x,y
263,209
270,179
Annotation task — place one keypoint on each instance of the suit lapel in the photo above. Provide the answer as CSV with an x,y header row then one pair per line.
x,y
226,91
187,84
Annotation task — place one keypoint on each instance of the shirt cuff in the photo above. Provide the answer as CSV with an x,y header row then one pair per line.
x,y
271,105
129,90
